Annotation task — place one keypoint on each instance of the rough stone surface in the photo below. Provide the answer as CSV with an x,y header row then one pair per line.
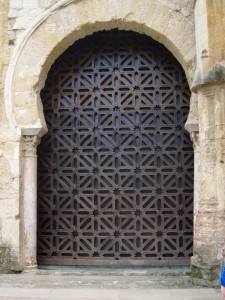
x,y
215,75
8,262
4,258
210,24
103,284
4,55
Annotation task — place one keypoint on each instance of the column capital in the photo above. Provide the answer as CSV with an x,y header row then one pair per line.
x,y
195,138
30,143
209,92
214,78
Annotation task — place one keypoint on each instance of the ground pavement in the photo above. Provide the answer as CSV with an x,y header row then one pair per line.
x,y
100,284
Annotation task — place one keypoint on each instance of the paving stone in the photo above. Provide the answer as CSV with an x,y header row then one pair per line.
x,y
90,285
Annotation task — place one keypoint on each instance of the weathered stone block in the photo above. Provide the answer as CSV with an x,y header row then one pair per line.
x,y
8,262
9,208
11,232
4,258
208,277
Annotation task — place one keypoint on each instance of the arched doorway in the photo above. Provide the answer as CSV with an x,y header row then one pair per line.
x,y
115,171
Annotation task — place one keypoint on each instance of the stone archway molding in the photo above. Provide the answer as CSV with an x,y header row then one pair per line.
x,y
69,20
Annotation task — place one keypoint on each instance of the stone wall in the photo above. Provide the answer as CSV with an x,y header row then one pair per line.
x,y
209,84
4,54
10,256
35,32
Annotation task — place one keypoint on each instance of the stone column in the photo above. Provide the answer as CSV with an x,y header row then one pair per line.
x,y
197,185
30,143
210,214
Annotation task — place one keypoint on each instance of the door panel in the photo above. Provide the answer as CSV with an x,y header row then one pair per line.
x,y
115,170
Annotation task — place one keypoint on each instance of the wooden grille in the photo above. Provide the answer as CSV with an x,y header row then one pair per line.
x,y
115,170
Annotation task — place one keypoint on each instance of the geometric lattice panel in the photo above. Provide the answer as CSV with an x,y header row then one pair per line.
x,y
115,170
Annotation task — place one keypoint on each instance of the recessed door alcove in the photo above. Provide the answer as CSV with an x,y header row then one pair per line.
x,y
115,170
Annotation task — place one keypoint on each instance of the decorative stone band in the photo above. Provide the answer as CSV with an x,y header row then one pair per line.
x,y
30,143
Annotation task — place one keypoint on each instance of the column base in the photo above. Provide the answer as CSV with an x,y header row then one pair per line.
x,y
203,274
29,269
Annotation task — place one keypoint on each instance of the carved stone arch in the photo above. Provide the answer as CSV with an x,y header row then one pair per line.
x,y
68,21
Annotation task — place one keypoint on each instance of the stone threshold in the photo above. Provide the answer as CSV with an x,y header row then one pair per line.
x,y
112,271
